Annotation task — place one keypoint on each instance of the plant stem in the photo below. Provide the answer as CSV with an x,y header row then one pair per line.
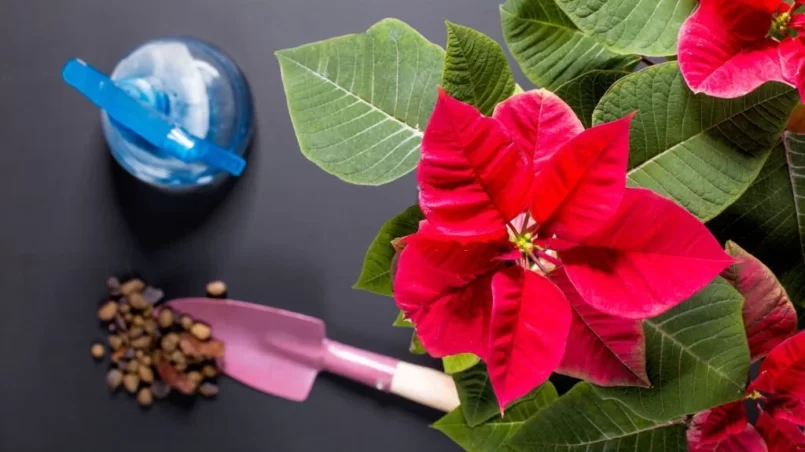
x,y
549,258
512,228
539,264
646,60
526,219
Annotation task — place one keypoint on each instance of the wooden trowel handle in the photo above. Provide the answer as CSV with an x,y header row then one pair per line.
x,y
425,386
419,384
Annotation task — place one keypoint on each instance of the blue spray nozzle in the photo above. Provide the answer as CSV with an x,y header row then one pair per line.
x,y
147,122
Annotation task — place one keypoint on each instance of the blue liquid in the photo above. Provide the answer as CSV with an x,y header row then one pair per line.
x,y
199,89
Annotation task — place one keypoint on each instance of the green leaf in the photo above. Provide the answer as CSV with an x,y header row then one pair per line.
x,y
582,421
645,27
376,274
359,103
699,151
795,154
478,401
402,322
416,346
550,49
458,363
583,92
765,220
697,357
475,69
492,436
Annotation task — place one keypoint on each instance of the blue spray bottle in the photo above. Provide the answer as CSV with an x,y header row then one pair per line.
x,y
177,113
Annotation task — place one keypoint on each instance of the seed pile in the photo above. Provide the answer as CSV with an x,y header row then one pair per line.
x,y
156,351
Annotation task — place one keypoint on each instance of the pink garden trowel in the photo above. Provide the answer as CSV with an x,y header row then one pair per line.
x,y
281,352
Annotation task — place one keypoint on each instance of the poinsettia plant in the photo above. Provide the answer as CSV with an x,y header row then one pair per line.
x,y
588,226
525,211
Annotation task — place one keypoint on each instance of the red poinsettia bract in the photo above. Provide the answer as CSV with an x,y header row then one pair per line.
x,y
769,321
780,392
530,232
727,48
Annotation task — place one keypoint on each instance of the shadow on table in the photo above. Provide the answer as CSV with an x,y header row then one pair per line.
x,y
157,217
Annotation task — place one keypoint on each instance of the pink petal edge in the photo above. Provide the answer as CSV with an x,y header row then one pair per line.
x,y
717,58
769,316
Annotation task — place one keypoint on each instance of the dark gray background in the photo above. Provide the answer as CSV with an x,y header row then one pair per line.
x,y
286,234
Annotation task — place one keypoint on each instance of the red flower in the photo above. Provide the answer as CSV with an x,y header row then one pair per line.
x,y
530,231
724,429
770,321
782,373
781,387
727,48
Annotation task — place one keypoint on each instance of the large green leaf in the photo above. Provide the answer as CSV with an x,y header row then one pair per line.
x,y
458,363
696,357
645,27
491,436
478,401
475,69
376,274
359,103
700,151
585,91
550,49
582,421
765,220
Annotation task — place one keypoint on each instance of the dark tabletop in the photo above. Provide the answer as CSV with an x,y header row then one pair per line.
x,y
286,234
